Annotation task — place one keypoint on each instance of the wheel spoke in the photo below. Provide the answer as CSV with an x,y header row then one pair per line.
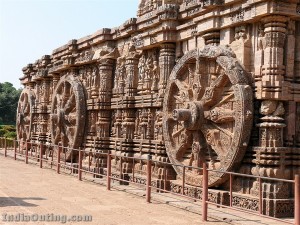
x,y
213,93
180,100
220,115
226,132
176,133
184,141
225,99
70,105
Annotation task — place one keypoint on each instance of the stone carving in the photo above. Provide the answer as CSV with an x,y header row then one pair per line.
x,y
148,74
187,82
24,115
68,113
207,113
119,81
271,129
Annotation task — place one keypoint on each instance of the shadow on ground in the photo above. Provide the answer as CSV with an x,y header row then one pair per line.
x,y
13,201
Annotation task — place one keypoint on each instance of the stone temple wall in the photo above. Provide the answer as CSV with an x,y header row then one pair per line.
x,y
188,82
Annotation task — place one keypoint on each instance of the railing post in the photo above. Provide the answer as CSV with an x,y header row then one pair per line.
x,y
297,199
41,155
204,193
15,149
108,171
26,152
5,147
148,187
80,164
58,158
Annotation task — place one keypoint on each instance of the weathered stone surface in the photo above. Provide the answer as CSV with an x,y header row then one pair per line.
x,y
188,82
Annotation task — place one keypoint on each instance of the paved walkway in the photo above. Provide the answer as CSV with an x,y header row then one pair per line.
x,y
28,190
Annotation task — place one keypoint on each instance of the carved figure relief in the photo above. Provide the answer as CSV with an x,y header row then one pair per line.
x,y
158,133
148,73
119,81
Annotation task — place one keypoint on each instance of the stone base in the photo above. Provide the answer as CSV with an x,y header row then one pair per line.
x,y
271,207
216,196
157,183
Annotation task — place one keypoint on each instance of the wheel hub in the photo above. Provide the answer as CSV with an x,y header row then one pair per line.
x,y
192,115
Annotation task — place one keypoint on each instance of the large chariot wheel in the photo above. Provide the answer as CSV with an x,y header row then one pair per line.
x,y
207,113
24,116
68,113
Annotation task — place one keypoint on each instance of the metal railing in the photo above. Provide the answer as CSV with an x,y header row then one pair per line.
x,y
39,152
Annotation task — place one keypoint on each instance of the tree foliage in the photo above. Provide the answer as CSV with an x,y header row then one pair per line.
x,y
8,131
9,97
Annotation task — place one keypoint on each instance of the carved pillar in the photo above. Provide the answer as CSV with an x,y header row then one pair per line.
x,y
105,86
38,92
118,123
45,93
131,75
271,156
273,69
103,123
128,124
43,108
166,64
271,128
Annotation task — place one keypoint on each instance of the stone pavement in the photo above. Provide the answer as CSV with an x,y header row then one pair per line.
x,y
28,190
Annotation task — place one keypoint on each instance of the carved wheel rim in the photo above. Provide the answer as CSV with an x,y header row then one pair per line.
x,y
68,115
207,114
24,115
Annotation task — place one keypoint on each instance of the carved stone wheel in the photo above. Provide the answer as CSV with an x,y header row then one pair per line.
x,y
207,113
68,114
24,115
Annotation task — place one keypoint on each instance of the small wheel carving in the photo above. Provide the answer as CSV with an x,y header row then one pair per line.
x,y
68,113
207,113
24,116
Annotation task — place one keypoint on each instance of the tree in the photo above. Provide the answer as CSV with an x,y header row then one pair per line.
x,y
9,97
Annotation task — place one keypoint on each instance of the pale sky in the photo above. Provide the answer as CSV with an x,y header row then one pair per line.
x,y
30,29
